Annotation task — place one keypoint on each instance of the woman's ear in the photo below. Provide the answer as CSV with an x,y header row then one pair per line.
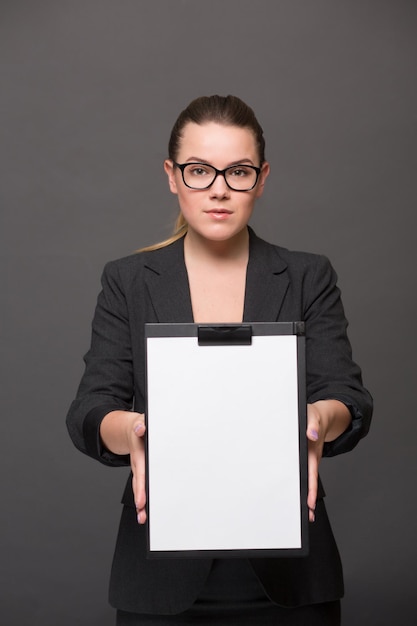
x,y
265,169
170,169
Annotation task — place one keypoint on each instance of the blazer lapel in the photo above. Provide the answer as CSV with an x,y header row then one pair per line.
x,y
266,282
167,281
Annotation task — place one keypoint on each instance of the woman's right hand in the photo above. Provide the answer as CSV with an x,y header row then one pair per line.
x,y
122,433
137,461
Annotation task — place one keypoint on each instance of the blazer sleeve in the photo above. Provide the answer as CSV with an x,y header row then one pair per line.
x,y
331,371
107,383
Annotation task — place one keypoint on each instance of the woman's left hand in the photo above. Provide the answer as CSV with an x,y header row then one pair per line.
x,y
315,436
326,420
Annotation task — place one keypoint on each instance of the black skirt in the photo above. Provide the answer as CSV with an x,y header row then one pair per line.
x,y
233,594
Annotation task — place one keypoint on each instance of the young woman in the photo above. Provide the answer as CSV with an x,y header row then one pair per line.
x,y
215,269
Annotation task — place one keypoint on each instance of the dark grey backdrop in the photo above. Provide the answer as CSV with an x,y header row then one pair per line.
x,y
89,91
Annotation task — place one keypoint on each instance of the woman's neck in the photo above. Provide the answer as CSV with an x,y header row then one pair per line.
x,y
217,277
199,250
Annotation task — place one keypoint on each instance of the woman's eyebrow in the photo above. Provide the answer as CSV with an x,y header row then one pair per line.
x,y
195,159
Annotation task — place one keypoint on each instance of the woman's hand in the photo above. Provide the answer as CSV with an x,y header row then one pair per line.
x,y
122,433
137,463
326,420
315,436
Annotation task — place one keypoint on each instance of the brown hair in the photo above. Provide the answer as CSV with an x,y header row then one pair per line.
x,y
227,110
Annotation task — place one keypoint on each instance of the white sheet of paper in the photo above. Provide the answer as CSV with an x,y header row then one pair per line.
x,y
223,445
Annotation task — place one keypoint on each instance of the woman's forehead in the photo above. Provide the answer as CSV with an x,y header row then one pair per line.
x,y
216,141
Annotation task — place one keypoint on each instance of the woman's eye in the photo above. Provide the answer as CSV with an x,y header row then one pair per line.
x,y
198,171
240,172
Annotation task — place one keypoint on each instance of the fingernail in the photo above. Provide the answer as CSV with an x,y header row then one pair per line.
x,y
314,434
139,518
312,516
138,428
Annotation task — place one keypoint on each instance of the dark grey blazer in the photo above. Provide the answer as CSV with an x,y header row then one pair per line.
x,y
153,287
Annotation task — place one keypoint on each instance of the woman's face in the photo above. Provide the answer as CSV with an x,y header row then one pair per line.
x,y
217,213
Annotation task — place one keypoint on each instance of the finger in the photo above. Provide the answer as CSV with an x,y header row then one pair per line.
x,y
313,423
139,491
139,424
313,433
312,480
140,502
313,430
141,516
137,461
139,429
138,480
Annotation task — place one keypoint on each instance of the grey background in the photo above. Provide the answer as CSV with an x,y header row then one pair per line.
x,y
89,92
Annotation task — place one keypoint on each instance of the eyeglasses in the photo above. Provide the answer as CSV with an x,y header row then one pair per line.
x,y
202,176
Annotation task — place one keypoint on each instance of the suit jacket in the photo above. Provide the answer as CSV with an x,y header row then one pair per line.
x,y
153,287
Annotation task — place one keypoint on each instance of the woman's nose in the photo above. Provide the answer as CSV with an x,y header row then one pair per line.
x,y
219,187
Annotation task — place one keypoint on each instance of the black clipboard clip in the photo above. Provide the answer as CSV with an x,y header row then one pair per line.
x,y
225,335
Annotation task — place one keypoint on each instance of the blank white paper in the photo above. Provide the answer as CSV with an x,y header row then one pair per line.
x,y
223,445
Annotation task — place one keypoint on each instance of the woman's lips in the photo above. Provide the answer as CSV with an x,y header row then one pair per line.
x,y
219,213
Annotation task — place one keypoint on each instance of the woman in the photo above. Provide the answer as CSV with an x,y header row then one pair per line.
x,y
215,269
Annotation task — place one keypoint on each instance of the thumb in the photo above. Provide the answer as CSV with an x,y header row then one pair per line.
x,y
139,425
313,424
139,429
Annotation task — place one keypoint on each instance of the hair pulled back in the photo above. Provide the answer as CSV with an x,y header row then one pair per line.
x,y
226,110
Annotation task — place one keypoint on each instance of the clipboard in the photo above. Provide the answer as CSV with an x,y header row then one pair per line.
x,y
225,440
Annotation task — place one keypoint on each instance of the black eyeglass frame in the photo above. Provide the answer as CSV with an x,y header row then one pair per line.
x,y
182,166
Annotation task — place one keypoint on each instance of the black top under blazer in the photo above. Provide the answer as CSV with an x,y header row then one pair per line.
x,y
153,287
